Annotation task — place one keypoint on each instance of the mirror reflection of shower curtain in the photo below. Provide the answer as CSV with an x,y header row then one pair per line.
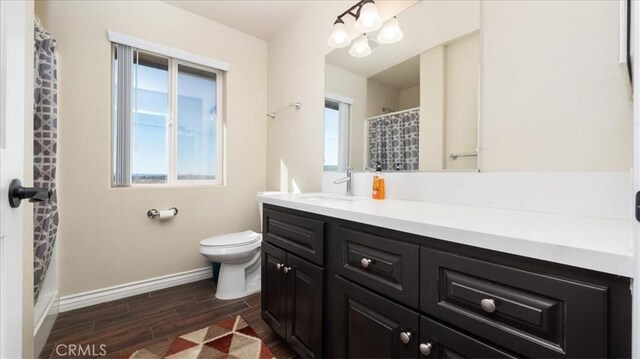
x,y
393,141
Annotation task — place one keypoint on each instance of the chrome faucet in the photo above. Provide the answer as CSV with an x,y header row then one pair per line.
x,y
347,180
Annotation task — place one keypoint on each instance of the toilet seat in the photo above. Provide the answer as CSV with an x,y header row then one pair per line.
x,y
231,240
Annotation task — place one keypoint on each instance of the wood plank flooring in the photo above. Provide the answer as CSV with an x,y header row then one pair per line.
x,y
128,324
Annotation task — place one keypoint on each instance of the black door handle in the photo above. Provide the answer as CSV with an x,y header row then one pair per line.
x,y
17,193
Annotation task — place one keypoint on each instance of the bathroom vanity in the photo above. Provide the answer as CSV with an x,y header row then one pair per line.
x,y
352,277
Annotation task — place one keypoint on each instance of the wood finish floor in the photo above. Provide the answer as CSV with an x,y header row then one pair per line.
x,y
132,323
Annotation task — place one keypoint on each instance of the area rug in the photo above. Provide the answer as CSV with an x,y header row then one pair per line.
x,y
231,338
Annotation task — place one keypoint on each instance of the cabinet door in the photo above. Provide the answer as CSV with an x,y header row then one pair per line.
x,y
274,288
304,306
366,325
439,341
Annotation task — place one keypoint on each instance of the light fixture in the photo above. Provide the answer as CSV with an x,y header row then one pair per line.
x,y
390,32
368,18
339,37
360,47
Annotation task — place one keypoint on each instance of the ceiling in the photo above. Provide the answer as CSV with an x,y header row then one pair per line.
x,y
260,18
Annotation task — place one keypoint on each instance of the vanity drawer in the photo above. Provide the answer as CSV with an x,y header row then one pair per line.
x,y
532,314
384,265
299,235
440,341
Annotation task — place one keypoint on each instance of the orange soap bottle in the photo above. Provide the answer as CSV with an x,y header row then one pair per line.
x,y
378,183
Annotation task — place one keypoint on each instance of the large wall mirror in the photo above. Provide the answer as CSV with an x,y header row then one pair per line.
x,y
411,105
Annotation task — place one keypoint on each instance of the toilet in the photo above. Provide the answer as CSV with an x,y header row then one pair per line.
x,y
239,258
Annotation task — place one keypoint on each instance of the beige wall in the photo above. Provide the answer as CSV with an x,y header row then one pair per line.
x,y
461,102
553,95
296,73
432,99
345,83
409,98
106,238
380,95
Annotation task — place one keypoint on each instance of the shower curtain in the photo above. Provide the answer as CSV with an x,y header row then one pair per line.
x,y
394,141
45,124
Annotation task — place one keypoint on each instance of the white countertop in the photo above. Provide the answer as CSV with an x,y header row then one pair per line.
x,y
599,244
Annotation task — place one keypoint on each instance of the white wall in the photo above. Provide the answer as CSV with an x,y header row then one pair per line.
x,y
553,95
106,238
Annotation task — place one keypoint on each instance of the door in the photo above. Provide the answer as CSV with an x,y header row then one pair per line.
x,y
366,325
15,34
274,288
304,306
439,341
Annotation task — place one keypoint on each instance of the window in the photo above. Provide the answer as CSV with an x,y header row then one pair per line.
x,y
336,134
167,120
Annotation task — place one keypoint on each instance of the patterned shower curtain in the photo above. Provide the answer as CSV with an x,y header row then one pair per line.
x,y
394,141
45,138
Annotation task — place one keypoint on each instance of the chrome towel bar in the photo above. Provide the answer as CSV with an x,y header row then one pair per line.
x,y
455,156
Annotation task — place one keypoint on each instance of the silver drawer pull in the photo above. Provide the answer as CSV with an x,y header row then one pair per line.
x,y
286,269
425,349
488,305
279,266
405,337
365,262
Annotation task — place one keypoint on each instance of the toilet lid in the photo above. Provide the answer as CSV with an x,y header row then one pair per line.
x,y
231,239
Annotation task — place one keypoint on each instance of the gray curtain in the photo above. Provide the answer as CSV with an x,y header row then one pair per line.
x,y
45,138
394,141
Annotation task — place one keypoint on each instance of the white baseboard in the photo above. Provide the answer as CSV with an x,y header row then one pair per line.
x,y
45,313
108,294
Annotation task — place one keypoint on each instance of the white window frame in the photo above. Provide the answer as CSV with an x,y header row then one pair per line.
x,y
173,126
345,105
193,61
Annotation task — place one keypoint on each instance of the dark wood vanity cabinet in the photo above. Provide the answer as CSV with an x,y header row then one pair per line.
x,y
388,294
292,287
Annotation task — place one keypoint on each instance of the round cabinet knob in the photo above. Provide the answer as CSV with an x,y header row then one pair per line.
x,y
365,262
287,269
488,305
405,337
425,349
279,266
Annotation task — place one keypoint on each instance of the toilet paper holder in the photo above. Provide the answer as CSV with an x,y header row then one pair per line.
x,y
154,213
